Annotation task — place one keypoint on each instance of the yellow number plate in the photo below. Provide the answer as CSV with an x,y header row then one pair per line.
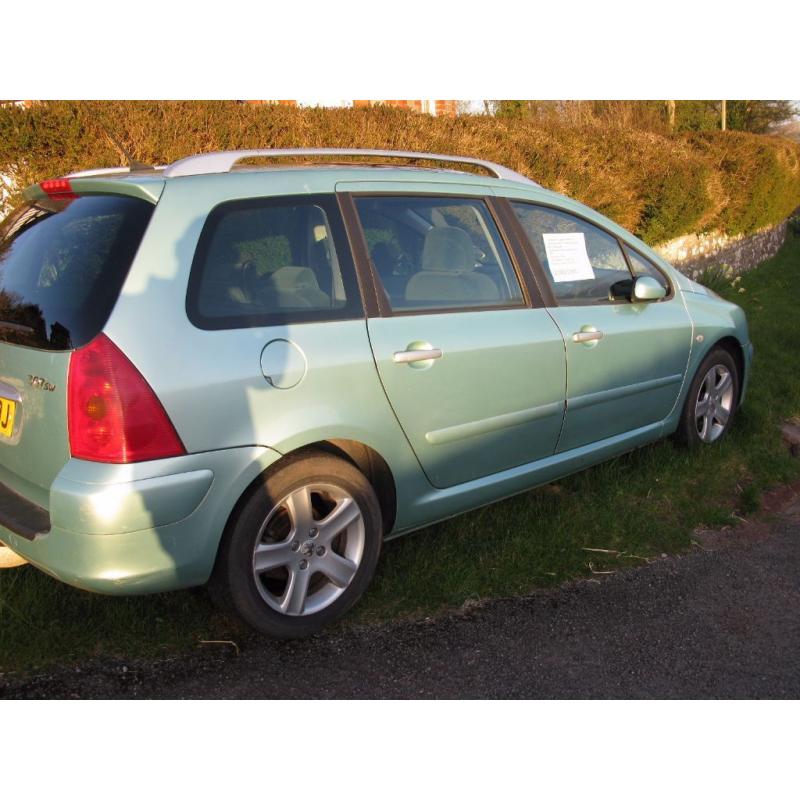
x,y
8,408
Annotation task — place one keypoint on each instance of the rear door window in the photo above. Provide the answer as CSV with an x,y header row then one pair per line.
x,y
270,261
62,266
435,252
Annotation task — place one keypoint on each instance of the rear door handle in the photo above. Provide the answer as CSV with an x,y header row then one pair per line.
x,y
587,336
410,356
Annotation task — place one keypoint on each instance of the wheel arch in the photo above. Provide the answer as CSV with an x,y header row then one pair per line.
x,y
374,467
365,458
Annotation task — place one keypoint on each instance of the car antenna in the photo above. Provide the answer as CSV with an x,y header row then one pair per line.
x,y
133,164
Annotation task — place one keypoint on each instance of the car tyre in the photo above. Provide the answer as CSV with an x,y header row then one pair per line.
x,y
301,548
712,400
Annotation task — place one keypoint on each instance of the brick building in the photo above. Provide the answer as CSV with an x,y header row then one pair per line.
x,y
270,102
436,108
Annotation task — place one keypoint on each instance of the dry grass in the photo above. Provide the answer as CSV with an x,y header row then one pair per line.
x,y
657,185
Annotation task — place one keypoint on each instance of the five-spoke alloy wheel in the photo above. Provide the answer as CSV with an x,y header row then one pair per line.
x,y
714,403
712,399
308,549
302,548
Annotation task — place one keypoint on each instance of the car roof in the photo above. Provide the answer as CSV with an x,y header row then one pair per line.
x,y
232,160
343,170
308,170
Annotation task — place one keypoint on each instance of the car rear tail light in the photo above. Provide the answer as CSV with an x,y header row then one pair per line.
x,y
58,189
113,414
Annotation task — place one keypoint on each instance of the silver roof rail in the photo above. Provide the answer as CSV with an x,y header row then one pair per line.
x,y
211,163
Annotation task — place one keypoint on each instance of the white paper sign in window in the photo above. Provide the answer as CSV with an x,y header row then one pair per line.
x,y
567,257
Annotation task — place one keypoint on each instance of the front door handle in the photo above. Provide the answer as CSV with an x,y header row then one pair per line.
x,y
416,354
587,336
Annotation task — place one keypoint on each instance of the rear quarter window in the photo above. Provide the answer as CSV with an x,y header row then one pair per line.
x,y
62,266
272,261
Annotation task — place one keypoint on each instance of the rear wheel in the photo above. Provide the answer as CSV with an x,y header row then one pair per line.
x,y
711,402
302,548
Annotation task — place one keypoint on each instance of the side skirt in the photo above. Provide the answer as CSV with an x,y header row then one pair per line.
x,y
437,505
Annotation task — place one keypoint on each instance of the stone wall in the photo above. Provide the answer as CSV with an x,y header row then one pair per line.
x,y
694,253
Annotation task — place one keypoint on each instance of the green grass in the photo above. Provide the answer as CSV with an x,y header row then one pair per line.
x,y
643,504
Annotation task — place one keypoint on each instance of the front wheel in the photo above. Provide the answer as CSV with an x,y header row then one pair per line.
x,y
302,548
711,402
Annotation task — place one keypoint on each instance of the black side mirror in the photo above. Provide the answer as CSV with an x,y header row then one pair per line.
x,y
637,290
621,290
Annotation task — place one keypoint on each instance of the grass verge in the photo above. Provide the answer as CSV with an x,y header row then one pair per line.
x,y
640,505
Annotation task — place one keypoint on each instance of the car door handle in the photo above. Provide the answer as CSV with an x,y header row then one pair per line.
x,y
410,356
587,336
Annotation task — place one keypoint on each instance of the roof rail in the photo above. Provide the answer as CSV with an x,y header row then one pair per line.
x,y
223,161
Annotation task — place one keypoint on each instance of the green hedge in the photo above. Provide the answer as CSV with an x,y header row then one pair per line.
x,y
658,186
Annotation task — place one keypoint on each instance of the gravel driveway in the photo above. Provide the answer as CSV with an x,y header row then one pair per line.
x,y
722,621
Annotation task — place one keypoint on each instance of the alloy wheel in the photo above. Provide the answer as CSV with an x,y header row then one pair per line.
x,y
714,404
308,549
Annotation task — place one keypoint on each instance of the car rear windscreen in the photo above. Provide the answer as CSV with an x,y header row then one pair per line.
x,y
62,267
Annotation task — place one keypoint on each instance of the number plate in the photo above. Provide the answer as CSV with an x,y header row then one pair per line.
x,y
8,409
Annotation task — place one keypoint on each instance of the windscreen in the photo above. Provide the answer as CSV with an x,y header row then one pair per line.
x,y
62,266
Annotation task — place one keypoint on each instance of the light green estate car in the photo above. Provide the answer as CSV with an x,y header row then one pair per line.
x,y
251,376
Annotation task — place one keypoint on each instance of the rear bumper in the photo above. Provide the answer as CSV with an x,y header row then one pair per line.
x,y
20,516
139,528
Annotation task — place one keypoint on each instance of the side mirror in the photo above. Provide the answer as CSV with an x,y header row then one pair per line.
x,y
621,290
647,289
